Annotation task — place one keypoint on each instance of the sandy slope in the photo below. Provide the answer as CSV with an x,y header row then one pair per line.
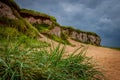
x,y
107,59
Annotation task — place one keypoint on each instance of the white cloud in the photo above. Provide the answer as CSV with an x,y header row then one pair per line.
x,y
73,8
105,20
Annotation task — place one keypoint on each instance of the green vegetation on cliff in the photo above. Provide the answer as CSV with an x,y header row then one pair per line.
x,y
20,24
71,29
26,12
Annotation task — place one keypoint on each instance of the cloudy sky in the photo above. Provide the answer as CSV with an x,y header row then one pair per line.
x,y
99,16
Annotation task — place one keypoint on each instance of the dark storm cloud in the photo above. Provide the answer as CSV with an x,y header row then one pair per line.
x,y
100,16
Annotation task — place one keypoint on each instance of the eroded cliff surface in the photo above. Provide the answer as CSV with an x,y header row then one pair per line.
x,y
81,36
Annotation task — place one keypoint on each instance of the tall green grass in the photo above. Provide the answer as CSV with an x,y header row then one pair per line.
x,y
19,63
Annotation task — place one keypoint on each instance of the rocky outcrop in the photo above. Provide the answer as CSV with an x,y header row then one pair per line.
x,y
84,37
6,11
36,17
56,31
41,20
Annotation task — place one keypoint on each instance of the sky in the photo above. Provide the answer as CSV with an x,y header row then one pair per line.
x,y
99,16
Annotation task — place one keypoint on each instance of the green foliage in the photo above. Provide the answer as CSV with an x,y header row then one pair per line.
x,y
8,32
65,38
32,43
31,31
12,34
62,39
70,28
19,63
34,13
53,18
12,63
21,25
24,40
89,33
43,28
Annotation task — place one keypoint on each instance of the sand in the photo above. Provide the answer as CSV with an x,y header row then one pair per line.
x,y
108,60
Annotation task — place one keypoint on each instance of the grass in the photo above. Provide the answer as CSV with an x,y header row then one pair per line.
x,y
23,57
43,28
21,25
25,41
26,12
12,34
34,13
116,48
62,39
32,43
18,63
37,14
71,29
8,32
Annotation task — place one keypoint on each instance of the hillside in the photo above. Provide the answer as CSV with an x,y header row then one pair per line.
x,y
48,25
34,46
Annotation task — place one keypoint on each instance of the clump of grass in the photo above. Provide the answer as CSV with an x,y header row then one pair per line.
x,y
8,32
32,43
74,67
43,28
12,63
61,39
33,13
19,63
71,29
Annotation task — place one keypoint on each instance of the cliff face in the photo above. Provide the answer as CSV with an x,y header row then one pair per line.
x,y
85,37
55,29
34,17
6,11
